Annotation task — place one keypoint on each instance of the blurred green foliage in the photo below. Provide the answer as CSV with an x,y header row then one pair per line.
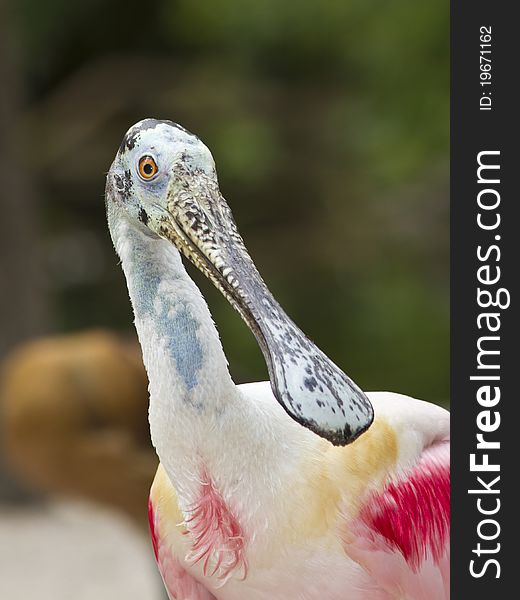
x,y
329,125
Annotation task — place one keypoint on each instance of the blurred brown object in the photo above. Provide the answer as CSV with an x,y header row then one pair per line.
x,y
75,419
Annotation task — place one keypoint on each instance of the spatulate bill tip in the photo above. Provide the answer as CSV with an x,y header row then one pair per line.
x,y
317,393
337,437
339,428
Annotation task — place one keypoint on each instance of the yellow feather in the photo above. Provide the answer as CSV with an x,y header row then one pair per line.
x,y
326,489
334,485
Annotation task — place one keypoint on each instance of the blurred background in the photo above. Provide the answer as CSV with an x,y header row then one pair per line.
x,y
329,125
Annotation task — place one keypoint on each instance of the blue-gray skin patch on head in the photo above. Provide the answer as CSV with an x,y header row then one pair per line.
x,y
168,145
133,135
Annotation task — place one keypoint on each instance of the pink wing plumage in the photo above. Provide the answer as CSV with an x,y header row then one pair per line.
x,y
401,536
179,584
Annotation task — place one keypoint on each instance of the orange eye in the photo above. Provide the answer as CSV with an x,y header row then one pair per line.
x,y
147,167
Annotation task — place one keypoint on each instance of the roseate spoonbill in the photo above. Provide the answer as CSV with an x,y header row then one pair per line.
x,y
249,503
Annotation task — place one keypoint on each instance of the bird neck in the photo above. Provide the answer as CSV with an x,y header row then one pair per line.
x,y
189,381
204,428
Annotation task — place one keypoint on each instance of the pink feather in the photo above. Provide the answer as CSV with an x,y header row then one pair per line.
x,y
401,536
216,533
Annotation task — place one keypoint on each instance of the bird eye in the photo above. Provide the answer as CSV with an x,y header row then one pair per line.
x,y
147,167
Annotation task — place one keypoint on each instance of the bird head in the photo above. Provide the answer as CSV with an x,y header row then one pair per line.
x,y
164,181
